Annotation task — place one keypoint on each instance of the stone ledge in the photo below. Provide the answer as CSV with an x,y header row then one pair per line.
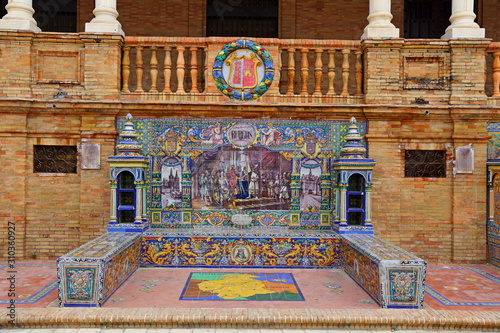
x,y
255,318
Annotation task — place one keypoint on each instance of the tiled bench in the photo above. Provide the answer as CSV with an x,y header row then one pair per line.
x,y
393,277
91,273
232,247
494,244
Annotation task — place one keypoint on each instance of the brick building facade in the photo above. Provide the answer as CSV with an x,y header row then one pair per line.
x,y
68,89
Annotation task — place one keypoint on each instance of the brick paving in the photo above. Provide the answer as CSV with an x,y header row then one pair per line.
x,y
210,330
360,319
171,315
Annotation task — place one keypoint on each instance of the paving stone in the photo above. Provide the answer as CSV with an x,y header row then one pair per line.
x,y
89,330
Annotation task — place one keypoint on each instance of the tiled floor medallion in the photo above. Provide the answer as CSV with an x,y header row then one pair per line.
x,y
222,286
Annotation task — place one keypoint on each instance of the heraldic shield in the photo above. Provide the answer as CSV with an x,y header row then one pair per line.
x,y
243,70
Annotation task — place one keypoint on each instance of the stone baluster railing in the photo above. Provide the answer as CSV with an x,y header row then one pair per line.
x,y
170,65
326,68
318,70
291,70
138,68
331,72
304,71
194,69
167,68
156,64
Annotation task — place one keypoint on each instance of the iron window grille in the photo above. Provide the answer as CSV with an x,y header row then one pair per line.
x,y
55,159
425,163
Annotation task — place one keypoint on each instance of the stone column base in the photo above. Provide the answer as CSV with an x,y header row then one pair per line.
x,y
114,28
464,33
15,24
380,33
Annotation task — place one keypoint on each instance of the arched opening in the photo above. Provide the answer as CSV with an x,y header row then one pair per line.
x,y
126,197
356,200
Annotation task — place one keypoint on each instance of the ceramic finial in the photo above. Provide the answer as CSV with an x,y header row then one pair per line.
x,y
129,117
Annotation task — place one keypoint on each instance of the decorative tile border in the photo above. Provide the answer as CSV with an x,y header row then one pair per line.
x,y
242,250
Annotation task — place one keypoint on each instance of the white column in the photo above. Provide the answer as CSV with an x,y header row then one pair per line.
x,y
105,19
379,21
343,210
19,16
462,21
113,218
138,204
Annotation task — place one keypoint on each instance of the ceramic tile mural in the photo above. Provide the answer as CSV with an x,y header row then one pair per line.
x,y
494,244
493,230
220,247
225,165
120,267
363,269
494,142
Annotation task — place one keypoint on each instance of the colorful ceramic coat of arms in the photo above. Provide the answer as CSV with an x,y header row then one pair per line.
x,y
243,70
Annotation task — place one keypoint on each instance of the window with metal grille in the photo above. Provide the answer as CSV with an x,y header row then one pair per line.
x,y
425,163
239,18
55,15
55,159
426,18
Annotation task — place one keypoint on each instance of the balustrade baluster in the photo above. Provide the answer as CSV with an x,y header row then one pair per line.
x,y
331,72
138,69
180,69
205,70
153,64
194,69
318,68
291,71
167,68
304,71
345,72
359,72
125,69
496,74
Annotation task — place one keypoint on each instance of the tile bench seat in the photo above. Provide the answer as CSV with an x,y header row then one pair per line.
x,y
393,277
91,273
